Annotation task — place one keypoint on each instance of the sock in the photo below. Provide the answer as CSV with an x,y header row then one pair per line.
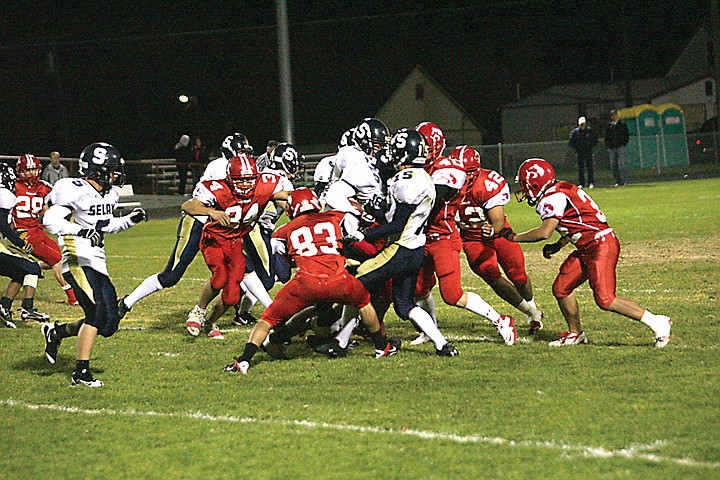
x,y
379,340
524,307
343,337
479,306
531,302
250,350
70,293
423,320
255,286
148,286
82,366
6,303
649,319
428,304
61,331
247,302
27,303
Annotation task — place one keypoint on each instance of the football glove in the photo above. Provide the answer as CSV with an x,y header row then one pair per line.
x,y
487,230
138,215
352,238
91,234
551,249
508,233
27,248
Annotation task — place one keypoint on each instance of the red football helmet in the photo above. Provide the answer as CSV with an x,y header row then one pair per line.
x,y
534,176
242,175
28,169
303,200
468,157
435,139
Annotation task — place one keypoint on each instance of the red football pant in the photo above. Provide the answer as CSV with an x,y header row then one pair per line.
x,y
227,266
305,290
486,258
44,247
597,263
442,258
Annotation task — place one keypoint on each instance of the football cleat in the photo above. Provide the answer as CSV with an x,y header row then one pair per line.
x,y
569,338
534,321
507,330
52,342
122,308
6,318
214,333
331,349
243,318
662,334
237,366
448,350
195,321
422,338
391,348
33,314
84,377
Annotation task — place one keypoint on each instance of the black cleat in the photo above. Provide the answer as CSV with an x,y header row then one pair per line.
x,y
332,349
447,351
52,342
84,377
122,308
243,318
237,366
6,318
33,314
391,348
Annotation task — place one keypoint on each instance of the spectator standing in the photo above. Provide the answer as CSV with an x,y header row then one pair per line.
x,y
55,170
183,156
199,160
264,159
617,137
583,138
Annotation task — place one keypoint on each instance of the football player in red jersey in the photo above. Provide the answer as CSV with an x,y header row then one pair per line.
x,y
570,211
483,206
234,206
443,244
31,193
311,240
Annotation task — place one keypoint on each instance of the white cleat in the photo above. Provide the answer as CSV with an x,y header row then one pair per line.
x,y
662,334
422,338
195,321
507,330
569,338
534,320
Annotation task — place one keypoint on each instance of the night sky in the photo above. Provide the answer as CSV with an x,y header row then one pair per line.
x,y
111,71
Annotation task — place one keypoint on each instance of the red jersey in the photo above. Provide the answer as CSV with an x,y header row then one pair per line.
x,y
243,212
446,171
580,217
489,189
30,202
312,241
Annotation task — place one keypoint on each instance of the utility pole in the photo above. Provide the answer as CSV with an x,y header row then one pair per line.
x,y
286,102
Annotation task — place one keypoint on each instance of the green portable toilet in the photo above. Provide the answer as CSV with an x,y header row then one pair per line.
x,y
643,122
675,149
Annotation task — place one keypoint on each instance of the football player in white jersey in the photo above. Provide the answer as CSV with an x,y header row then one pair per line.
x,y
89,202
411,196
354,172
187,243
324,169
14,260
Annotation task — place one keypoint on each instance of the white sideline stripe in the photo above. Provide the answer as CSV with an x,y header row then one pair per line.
x,y
633,452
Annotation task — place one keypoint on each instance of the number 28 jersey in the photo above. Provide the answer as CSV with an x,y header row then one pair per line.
x,y
30,202
243,212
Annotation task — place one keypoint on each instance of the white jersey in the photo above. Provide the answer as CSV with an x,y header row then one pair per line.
x,y
8,200
413,186
76,199
215,170
354,175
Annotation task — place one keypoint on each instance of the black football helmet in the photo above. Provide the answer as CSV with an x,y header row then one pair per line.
x,y
347,138
286,156
7,177
408,147
235,144
104,164
371,135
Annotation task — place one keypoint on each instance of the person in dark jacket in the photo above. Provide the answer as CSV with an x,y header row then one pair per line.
x,y
183,156
583,139
616,140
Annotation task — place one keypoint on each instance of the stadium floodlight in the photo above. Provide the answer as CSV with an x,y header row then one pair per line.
x,y
184,98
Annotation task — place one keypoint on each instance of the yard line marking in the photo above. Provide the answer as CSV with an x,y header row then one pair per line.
x,y
633,452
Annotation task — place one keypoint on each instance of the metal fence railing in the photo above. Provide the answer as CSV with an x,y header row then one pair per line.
x,y
159,176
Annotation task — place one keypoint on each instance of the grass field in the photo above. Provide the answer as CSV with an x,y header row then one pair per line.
x,y
614,409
